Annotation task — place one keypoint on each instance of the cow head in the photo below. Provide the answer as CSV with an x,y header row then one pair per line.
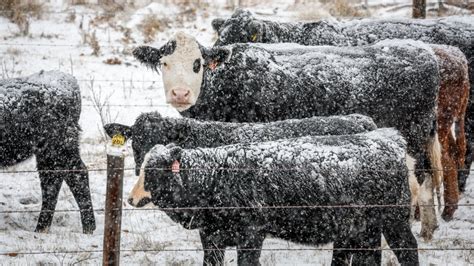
x,y
182,61
138,197
161,173
149,130
241,27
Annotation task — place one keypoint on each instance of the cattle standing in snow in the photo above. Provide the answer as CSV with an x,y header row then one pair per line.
x,y
39,115
455,31
396,83
151,129
234,208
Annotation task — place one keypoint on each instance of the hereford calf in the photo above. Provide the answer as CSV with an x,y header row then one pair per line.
x,y
345,189
39,115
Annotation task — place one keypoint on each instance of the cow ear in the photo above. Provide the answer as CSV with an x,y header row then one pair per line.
x,y
256,30
217,23
239,12
113,129
148,56
175,152
215,56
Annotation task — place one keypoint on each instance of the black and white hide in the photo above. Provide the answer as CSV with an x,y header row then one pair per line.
x,y
151,129
39,115
239,186
243,27
395,83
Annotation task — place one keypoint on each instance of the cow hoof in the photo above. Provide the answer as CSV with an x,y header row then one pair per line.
x,y
448,213
42,230
88,229
427,233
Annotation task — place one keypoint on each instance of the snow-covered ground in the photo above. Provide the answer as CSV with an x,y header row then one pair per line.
x,y
125,91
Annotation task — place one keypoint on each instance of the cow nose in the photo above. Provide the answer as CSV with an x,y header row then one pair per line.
x,y
180,95
130,201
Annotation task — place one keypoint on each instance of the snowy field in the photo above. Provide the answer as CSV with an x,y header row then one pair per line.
x,y
61,40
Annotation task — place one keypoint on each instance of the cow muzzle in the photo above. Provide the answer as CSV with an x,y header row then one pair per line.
x,y
180,96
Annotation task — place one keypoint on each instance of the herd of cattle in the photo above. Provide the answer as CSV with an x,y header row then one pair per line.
x,y
310,132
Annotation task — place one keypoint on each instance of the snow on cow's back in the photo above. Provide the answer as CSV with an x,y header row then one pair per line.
x,y
386,143
53,83
63,82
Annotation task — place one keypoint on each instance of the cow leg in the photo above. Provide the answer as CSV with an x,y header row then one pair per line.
x,y
449,158
214,248
426,200
369,241
464,173
340,256
399,236
249,246
78,183
50,185
363,250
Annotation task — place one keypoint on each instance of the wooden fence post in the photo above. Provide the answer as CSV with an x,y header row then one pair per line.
x,y
113,201
419,8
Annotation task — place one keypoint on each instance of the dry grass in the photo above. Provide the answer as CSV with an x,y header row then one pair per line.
x,y
78,2
91,40
94,43
71,17
13,51
311,12
151,25
342,8
20,14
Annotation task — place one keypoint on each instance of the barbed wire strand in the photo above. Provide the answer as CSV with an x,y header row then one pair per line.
x,y
223,208
39,252
226,169
124,12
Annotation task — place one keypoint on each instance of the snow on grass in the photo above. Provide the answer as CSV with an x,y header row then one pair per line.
x,y
130,83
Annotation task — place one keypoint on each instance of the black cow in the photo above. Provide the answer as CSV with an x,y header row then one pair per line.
x,y
39,115
230,193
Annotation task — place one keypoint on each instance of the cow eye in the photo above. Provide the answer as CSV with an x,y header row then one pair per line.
x,y
165,64
197,65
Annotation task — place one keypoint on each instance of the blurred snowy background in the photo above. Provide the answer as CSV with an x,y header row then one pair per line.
x,y
93,39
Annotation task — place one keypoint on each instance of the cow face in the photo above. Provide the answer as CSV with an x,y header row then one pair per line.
x,y
143,141
182,61
242,27
161,178
138,196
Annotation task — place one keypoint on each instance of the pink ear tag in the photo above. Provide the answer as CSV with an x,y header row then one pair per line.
x,y
175,167
213,65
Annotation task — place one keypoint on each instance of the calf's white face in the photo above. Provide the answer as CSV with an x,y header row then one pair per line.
x,y
139,197
183,72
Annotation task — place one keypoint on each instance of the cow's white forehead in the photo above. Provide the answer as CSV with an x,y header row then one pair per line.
x,y
187,45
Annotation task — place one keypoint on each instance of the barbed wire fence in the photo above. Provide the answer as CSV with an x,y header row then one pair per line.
x,y
218,208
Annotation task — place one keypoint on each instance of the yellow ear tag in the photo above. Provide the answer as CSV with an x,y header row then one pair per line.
x,y
254,37
118,140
